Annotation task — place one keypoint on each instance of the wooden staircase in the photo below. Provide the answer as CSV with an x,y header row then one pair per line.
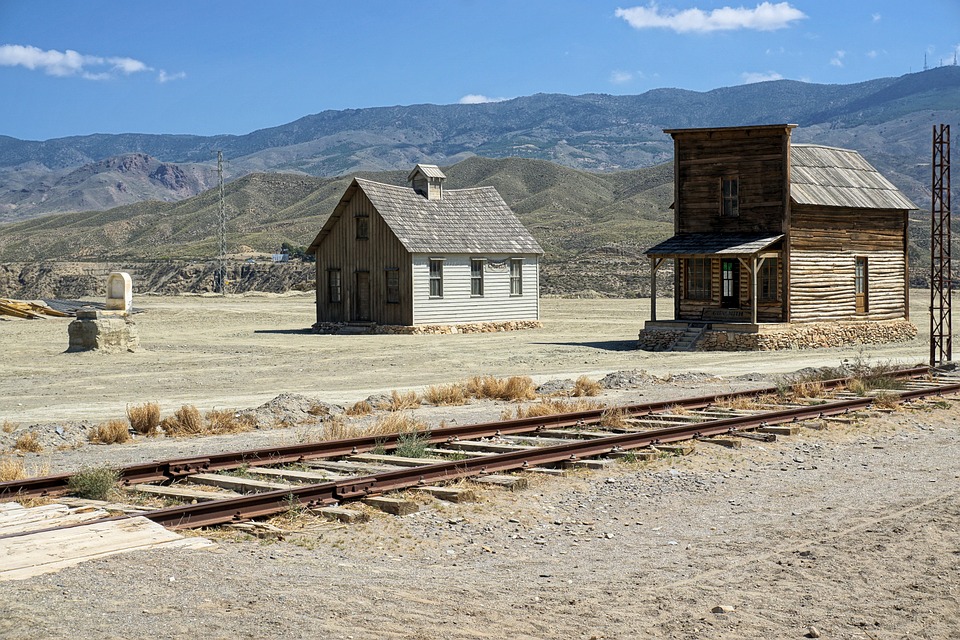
x,y
688,340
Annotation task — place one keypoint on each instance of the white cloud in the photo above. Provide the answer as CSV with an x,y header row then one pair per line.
x,y
476,98
750,77
163,76
873,53
620,77
837,60
876,17
68,63
765,17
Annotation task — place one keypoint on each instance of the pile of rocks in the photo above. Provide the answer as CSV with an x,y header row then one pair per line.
x,y
419,329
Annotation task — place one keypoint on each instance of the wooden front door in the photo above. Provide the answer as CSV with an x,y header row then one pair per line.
x,y
362,303
730,284
860,285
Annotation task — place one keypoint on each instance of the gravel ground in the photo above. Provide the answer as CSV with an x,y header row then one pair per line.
x,y
853,530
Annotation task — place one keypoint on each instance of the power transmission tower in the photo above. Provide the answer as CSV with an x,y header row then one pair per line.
x,y
941,330
222,266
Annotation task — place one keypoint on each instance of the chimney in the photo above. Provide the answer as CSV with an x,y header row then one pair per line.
x,y
427,180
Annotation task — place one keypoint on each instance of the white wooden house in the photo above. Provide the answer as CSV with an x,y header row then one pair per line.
x,y
424,255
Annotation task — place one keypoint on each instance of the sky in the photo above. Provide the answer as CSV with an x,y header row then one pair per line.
x,y
210,67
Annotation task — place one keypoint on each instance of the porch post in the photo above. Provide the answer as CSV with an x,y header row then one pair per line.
x,y
654,264
753,283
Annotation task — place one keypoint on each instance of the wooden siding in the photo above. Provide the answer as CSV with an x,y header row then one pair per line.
x,y
822,285
824,245
341,249
754,157
458,306
693,310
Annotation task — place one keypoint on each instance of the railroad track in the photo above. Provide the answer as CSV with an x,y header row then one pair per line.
x,y
345,470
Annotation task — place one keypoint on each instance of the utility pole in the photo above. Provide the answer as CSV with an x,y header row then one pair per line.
x,y
941,279
222,266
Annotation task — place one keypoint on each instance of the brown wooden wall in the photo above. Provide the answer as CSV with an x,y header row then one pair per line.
x,y
342,249
824,245
757,157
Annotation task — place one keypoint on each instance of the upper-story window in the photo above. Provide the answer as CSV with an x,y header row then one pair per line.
x,y
730,196
363,226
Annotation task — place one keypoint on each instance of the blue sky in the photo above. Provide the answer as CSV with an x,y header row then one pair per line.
x,y
214,66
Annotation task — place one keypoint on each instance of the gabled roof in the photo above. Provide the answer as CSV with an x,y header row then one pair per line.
x,y
832,177
473,220
429,170
728,244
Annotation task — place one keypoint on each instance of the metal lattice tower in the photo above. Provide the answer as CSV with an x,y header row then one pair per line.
x,y
222,266
941,330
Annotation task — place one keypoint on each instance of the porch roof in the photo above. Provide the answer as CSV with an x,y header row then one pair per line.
x,y
698,244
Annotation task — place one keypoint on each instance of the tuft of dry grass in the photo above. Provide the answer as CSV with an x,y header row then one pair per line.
x,y
144,418
492,388
886,400
185,421
336,428
614,418
394,423
809,389
220,421
551,407
110,432
584,386
401,401
8,427
28,443
677,410
359,408
446,394
11,468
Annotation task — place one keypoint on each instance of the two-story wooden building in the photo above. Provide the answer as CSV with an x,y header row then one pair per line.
x,y
770,236
425,255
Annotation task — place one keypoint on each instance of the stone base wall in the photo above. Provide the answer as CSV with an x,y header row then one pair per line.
x,y
103,333
471,327
814,335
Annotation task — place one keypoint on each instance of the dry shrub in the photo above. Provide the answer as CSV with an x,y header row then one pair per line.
x,y
28,443
512,388
186,421
394,423
111,432
551,407
615,418
336,428
677,410
584,386
144,418
96,483
359,408
221,421
318,410
8,427
809,389
401,401
12,468
446,394
740,403
886,400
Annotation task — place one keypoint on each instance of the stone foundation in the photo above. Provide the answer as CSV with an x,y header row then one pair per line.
x,y
470,327
816,335
102,331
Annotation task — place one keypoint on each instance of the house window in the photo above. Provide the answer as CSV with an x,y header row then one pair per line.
x,y
730,189
476,277
768,280
333,285
698,279
363,226
861,285
516,276
436,277
393,285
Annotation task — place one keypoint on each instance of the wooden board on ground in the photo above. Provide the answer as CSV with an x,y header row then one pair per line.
x,y
183,493
38,549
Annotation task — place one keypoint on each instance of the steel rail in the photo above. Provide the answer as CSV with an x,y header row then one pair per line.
x,y
262,504
167,470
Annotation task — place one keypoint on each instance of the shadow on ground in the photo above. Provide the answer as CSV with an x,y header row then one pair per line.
x,y
286,332
605,345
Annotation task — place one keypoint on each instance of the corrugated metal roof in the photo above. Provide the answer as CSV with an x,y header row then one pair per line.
x,y
429,170
733,244
473,220
832,177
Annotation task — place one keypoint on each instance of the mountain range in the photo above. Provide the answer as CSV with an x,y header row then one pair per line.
x,y
887,119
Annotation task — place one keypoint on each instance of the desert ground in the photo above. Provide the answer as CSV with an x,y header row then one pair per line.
x,y
850,531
